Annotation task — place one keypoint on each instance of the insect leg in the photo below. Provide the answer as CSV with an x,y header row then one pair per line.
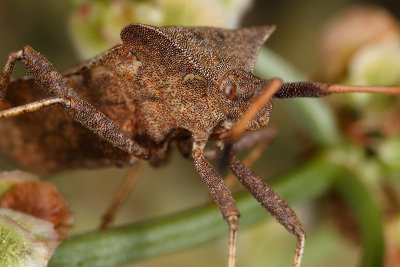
x,y
248,161
220,194
261,140
120,195
38,67
316,89
7,72
54,84
263,135
31,107
272,202
99,123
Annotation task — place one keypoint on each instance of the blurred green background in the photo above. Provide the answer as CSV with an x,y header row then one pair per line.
x,y
45,25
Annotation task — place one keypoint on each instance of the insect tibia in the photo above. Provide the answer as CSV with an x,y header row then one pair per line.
x,y
7,72
100,124
44,73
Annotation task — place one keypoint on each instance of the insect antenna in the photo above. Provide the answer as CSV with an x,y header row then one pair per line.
x,y
316,89
290,90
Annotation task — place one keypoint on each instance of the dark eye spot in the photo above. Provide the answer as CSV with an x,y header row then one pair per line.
x,y
230,91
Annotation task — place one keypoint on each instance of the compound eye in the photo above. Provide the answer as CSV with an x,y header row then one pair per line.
x,y
230,91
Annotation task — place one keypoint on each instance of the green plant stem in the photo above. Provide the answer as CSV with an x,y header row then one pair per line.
x,y
369,216
186,229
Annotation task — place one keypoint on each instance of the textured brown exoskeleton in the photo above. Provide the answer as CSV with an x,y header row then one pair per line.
x,y
161,86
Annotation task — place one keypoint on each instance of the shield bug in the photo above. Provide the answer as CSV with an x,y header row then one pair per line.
x,y
160,87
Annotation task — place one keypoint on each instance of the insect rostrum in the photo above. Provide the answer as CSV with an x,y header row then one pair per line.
x,y
160,87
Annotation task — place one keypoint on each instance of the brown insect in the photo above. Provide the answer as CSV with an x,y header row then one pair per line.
x,y
161,87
